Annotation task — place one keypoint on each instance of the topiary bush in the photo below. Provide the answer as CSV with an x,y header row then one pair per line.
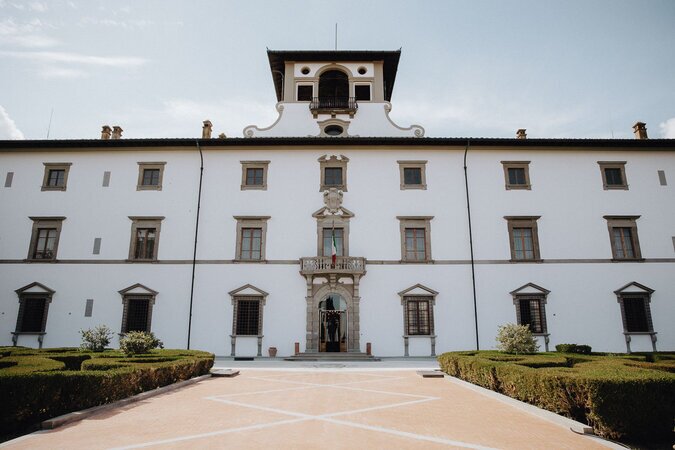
x,y
139,342
573,348
96,339
518,339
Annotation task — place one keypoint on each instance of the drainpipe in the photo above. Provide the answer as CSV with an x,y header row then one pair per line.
x,y
473,266
194,254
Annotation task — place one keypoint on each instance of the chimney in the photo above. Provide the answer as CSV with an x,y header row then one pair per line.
x,y
117,132
521,133
221,136
105,132
206,129
640,130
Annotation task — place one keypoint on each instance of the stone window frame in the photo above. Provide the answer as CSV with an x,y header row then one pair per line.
x,y
332,222
363,83
49,166
47,294
313,85
235,296
41,223
541,296
644,293
144,222
430,295
150,295
624,222
142,166
621,165
524,222
333,162
245,165
525,165
422,165
251,222
416,222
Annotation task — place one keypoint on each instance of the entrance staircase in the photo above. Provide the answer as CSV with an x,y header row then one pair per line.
x,y
331,356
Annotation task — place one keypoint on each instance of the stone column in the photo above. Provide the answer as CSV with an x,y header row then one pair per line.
x,y
355,326
233,343
311,344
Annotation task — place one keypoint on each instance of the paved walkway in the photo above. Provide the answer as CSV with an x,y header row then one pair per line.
x,y
320,408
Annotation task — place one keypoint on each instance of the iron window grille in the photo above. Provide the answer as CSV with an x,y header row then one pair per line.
x,y
247,317
419,316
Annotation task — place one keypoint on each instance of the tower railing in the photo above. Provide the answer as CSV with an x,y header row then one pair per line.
x,y
333,104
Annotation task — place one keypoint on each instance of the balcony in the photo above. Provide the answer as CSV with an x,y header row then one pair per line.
x,y
323,265
333,105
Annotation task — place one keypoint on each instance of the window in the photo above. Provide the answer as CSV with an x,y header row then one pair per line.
x,y
254,175
328,235
413,174
248,316
150,175
523,238
34,300
623,237
138,301
418,311
45,238
415,239
247,310
251,233
530,303
517,174
634,300
305,93
333,176
613,175
145,238
56,176
362,92
333,172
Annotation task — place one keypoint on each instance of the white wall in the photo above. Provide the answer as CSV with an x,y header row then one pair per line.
x,y
566,192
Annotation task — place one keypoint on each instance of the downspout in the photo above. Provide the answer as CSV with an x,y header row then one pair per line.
x,y
473,265
194,254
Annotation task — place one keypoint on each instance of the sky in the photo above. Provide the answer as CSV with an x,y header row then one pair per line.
x,y
479,68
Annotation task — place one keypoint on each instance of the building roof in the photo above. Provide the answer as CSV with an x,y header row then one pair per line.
x,y
279,57
388,142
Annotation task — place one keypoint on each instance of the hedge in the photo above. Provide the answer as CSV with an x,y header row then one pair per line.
x,y
619,397
38,385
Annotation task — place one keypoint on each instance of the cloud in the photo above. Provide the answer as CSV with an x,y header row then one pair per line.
x,y
27,34
668,128
62,72
38,6
8,129
76,58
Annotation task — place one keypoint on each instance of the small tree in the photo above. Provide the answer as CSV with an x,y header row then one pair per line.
x,y
512,338
139,342
96,339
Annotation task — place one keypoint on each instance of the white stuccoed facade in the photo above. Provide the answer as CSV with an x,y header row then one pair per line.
x,y
575,267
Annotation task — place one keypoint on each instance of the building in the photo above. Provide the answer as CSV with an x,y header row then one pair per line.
x,y
339,230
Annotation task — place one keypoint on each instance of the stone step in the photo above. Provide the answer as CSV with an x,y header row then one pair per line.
x,y
332,356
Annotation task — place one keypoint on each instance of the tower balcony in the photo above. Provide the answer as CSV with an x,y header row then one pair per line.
x,y
333,105
323,265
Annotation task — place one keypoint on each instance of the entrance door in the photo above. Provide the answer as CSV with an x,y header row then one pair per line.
x,y
333,320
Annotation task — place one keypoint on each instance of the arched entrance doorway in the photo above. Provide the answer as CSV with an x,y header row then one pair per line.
x,y
334,89
333,324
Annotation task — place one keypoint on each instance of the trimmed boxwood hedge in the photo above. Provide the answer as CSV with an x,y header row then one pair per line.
x,y
619,398
36,385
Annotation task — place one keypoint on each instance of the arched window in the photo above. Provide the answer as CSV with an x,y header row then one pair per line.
x,y
334,89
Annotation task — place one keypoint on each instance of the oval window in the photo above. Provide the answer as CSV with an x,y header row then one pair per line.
x,y
333,130
304,70
363,70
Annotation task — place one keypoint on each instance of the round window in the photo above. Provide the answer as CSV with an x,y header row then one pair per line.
x,y
333,130
304,70
362,70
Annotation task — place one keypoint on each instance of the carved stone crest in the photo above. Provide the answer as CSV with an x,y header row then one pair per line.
x,y
332,198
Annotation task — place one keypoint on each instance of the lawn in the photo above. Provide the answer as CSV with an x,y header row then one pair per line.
x,y
36,385
627,397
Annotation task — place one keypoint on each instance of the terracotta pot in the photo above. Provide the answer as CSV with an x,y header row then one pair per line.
x,y
273,352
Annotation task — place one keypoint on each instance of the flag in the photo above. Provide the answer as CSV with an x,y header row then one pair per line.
x,y
333,252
